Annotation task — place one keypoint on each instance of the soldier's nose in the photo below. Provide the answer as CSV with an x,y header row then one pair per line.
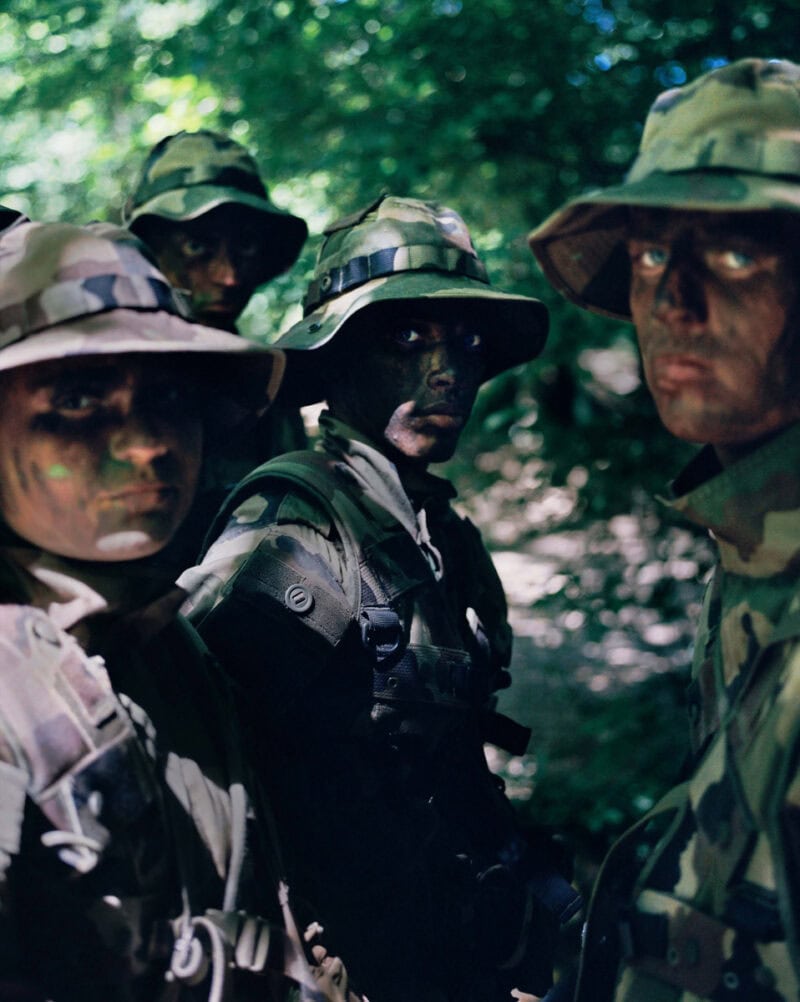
x,y
680,297
222,268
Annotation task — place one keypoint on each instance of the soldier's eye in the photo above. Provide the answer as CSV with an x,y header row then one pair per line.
x,y
653,257
472,340
78,399
248,244
169,396
407,336
647,258
735,260
193,247
76,403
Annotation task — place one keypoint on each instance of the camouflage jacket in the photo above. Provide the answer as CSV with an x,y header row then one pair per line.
x,y
366,666
702,897
444,549
124,828
227,460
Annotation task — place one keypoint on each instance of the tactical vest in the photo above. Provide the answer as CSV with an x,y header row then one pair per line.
x,y
389,598
698,896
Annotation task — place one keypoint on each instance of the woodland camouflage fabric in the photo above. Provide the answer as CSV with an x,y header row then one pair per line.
x,y
405,249
728,141
381,713
99,783
235,537
191,173
715,907
70,290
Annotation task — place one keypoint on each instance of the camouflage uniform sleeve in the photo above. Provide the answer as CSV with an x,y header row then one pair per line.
x,y
257,519
13,786
280,621
34,654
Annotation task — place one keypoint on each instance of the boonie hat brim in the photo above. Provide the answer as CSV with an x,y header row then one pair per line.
x,y
581,247
515,326
243,371
185,204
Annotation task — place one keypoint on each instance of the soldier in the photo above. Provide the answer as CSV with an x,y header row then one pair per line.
x,y
366,626
126,867
698,247
204,212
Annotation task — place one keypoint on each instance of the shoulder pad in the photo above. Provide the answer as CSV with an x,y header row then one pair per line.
x,y
296,508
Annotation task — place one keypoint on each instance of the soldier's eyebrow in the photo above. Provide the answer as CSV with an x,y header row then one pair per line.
x,y
648,224
755,229
60,377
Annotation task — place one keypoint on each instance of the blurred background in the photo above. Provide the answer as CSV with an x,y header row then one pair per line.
x,y
501,109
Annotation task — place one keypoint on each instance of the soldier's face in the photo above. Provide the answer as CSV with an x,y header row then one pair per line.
x,y
410,384
714,297
217,258
99,456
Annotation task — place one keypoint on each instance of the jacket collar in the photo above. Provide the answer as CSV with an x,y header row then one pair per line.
x,y
752,508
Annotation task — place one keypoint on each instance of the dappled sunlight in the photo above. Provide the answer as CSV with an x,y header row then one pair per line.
x,y
603,613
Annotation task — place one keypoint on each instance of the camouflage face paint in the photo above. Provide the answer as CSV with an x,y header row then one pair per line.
x,y
99,456
188,176
714,299
413,388
58,472
218,259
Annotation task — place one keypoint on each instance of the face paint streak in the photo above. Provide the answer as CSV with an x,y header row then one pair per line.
x,y
21,476
118,542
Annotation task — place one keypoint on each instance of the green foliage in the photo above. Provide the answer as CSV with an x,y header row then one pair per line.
x,y
624,754
501,108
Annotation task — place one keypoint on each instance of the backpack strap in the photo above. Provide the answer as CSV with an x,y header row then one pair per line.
x,y
369,593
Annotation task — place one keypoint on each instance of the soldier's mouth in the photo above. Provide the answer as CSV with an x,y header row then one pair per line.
x,y
443,417
672,369
225,308
443,408
140,498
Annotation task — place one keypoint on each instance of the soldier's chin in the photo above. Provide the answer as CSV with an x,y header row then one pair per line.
x,y
436,449
127,544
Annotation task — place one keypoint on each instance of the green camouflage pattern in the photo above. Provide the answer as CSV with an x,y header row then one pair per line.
x,y
69,290
417,254
190,173
728,142
136,847
384,506
99,783
714,912
382,623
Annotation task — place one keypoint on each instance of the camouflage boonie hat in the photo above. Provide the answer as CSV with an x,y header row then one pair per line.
x,y
727,142
416,255
69,290
191,173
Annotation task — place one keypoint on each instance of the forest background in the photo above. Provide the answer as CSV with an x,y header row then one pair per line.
x,y
501,109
